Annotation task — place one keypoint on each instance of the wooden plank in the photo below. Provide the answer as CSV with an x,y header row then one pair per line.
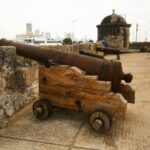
x,y
114,104
69,87
70,77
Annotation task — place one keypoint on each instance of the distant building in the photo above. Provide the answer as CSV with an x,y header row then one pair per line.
x,y
29,30
37,38
20,37
116,31
37,32
28,34
47,35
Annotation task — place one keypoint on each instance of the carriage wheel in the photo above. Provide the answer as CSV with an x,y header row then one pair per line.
x,y
100,121
42,109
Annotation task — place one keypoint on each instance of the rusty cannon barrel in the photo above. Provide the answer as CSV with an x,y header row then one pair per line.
x,y
90,54
104,69
108,50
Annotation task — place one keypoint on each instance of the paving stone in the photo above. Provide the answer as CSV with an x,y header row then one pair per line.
x,y
134,129
80,148
132,133
15,144
70,130
61,127
3,122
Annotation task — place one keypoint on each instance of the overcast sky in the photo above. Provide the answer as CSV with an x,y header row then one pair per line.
x,y
57,16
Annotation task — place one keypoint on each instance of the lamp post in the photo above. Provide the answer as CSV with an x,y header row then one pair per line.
x,y
72,35
133,36
146,36
137,26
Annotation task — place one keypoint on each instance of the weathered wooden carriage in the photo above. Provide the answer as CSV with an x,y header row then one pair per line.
x,y
95,88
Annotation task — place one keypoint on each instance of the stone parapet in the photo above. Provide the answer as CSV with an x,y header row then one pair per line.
x,y
18,80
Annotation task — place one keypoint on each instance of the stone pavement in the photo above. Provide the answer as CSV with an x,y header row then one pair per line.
x,y
69,130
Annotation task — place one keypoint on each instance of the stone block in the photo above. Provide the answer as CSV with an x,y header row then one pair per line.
x,y
2,84
8,57
1,113
17,75
30,74
16,81
25,62
9,109
2,100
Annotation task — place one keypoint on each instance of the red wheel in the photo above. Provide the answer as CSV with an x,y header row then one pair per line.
x,y
100,121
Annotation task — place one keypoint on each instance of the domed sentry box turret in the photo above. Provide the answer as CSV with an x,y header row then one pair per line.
x,y
116,31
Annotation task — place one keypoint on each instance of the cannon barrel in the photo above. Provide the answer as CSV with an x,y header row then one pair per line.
x,y
108,50
104,69
90,54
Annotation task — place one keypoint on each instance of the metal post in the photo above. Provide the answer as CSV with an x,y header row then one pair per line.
x,y
73,21
137,31
146,36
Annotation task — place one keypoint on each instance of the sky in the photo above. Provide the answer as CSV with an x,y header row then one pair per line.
x,y
77,16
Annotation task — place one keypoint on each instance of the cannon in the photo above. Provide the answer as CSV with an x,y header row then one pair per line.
x,y
80,83
104,69
83,52
109,50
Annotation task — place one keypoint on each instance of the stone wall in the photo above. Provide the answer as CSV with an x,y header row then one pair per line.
x,y
115,41
75,47
18,83
143,46
116,36
119,41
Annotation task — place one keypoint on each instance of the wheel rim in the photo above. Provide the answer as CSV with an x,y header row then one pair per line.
x,y
41,109
100,122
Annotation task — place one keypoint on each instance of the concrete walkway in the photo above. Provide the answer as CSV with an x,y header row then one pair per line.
x,y
69,130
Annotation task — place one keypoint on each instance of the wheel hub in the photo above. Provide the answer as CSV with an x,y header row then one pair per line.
x,y
99,123
39,110
42,109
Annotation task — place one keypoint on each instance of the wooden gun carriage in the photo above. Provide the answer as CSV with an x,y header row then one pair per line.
x,y
80,83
